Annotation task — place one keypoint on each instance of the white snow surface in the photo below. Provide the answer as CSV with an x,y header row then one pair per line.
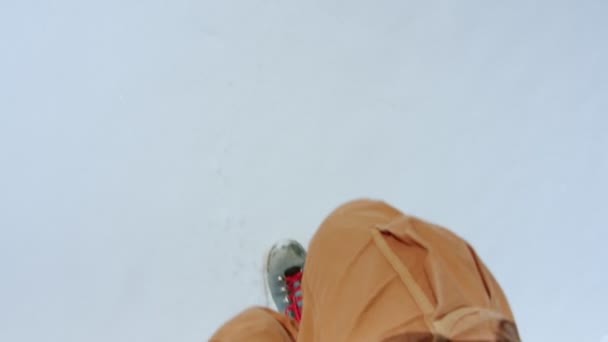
x,y
152,151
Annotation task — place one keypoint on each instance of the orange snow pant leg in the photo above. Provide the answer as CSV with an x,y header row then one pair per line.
x,y
257,325
375,274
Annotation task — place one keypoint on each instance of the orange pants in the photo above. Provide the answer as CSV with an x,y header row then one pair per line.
x,y
375,274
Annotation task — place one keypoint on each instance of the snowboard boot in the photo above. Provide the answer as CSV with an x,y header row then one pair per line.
x,y
284,269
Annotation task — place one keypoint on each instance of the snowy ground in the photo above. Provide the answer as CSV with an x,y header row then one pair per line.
x,y
151,151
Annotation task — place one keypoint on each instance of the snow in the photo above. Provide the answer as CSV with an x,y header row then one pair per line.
x,y
151,152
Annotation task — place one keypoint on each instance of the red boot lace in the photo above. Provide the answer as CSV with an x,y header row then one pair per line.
x,y
294,294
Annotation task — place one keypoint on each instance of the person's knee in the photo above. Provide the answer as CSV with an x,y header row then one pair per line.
x,y
343,234
356,214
